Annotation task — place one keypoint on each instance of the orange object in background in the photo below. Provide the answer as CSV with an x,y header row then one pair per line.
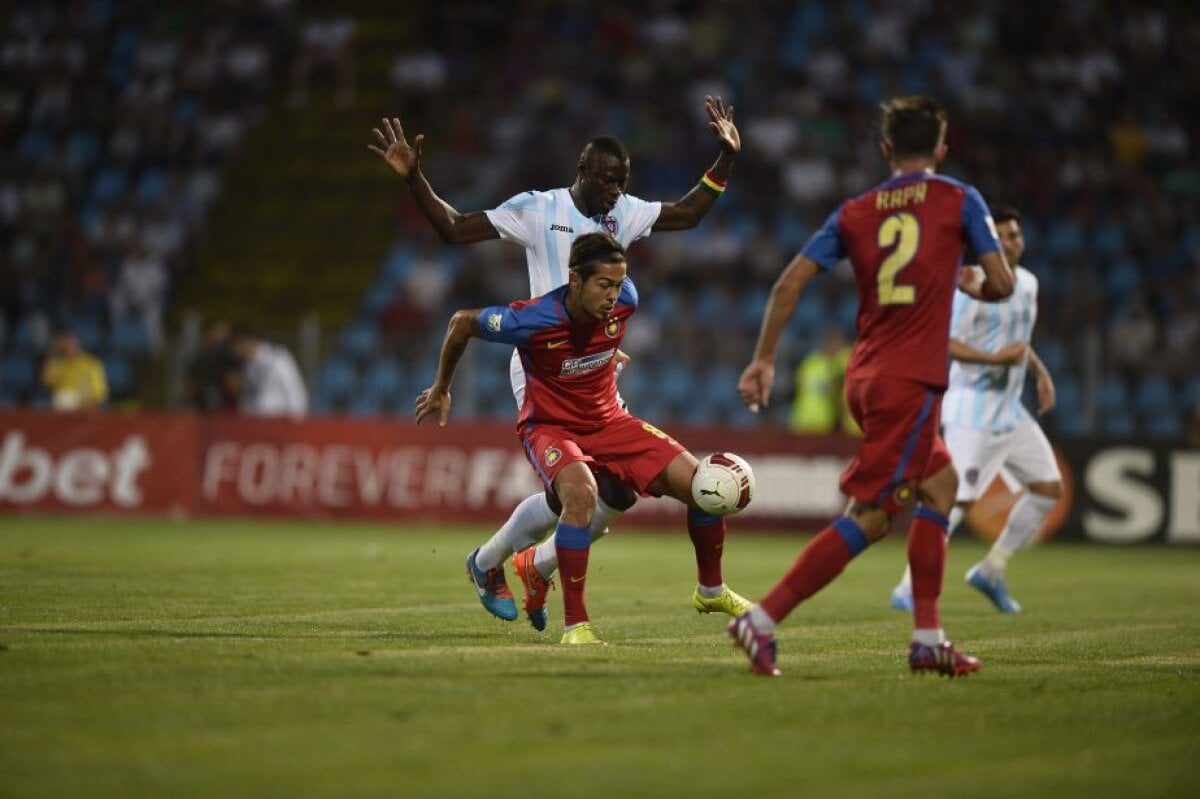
x,y
990,512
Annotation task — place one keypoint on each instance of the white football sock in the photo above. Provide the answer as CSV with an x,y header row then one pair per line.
x,y
1024,521
545,559
761,620
929,637
710,591
529,523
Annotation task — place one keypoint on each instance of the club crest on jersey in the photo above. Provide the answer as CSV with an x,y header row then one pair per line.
x,y
972,475
610,225
551,456
612,328
493,322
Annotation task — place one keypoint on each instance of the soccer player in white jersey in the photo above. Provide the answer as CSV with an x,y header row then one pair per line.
x,y
985,425
545,223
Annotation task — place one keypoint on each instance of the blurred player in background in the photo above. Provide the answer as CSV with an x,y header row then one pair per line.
x,y
546,223
905,241
984,423
572,425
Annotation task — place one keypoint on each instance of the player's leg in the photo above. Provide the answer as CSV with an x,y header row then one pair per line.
x,y
977,457
537,565
576,489
1031,460
707,533
533,518
929,651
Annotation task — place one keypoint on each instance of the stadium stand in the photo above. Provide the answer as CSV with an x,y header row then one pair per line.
x,y
1074,126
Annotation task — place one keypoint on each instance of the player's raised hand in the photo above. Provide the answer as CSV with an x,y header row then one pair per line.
x,y
433,399
721,123
394,148
754,386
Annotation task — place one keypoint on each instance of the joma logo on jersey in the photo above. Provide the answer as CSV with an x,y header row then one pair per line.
x,y
588,363
562,228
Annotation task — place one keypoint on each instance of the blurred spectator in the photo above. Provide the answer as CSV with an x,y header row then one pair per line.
x,y
141,289
819,405
271,381
326,42
74,378
213,381
1132,339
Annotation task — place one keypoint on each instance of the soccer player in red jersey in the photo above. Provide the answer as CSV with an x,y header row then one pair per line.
x,y
571,425
905,240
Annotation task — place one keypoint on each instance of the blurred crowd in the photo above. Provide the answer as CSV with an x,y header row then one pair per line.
x,y
1059,109
117,119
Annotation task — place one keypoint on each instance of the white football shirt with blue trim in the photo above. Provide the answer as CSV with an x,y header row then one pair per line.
x,y
545,223
979,396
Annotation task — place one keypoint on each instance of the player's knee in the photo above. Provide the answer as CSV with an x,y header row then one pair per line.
x,y
616,494
578,499
1050,490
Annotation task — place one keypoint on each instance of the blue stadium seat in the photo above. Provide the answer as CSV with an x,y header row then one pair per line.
x,y
18,373
108,186
365,404
359,340
151,186
1111,397
119,373
385,379
90,332
1164,427
337,381
1154,397
1116,424
129,338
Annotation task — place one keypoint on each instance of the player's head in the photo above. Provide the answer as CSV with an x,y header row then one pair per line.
x,y
597,270
602,175
913,127
1008,228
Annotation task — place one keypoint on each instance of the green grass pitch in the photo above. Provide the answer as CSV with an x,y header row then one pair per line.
x,y
255,659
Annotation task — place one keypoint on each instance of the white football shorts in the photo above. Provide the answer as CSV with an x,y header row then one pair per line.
x,y
978,456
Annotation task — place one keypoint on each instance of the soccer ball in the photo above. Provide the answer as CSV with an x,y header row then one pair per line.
x,y
723,484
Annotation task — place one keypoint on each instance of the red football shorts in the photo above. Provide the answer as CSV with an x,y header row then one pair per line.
x,y
901,443
633,451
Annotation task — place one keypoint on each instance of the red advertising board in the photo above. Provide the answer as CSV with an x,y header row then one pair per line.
x,y
349,468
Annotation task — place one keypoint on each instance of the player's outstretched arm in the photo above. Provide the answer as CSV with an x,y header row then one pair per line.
x,y
754,386
405,161
463,327
993,280
687,212
1047,396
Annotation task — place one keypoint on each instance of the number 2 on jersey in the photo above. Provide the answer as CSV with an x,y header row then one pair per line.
x,y
903,231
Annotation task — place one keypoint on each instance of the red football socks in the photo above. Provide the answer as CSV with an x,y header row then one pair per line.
x,y
927,561
708,538
822,560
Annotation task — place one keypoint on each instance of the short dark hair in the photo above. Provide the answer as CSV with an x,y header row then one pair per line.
x,y
1005,213
592,249
609,145
913,125
244,330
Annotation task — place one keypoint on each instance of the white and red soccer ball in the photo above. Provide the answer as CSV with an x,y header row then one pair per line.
x,y
723,484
